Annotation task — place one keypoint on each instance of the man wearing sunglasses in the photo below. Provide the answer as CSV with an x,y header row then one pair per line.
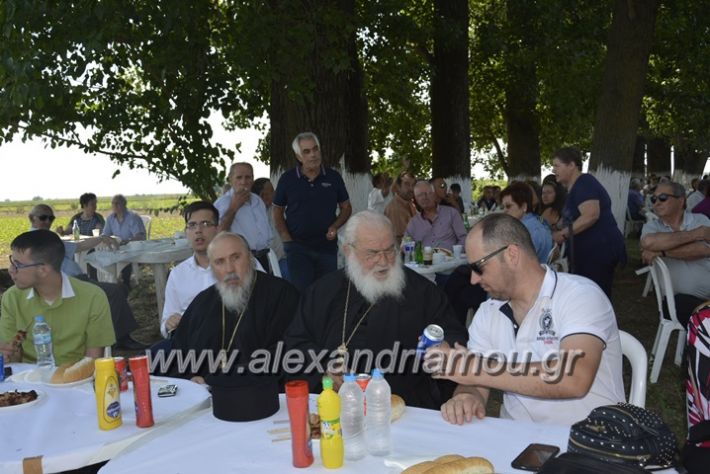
x,y
77,311
534,323
682,239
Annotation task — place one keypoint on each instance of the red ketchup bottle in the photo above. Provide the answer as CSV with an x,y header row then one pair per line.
x,y
297,402
141,391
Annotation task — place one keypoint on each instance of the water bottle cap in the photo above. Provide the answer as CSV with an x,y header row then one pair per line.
x,y
349,377
327,383
39,318
376,374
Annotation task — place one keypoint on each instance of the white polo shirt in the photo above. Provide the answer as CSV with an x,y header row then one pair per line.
x,y
567,304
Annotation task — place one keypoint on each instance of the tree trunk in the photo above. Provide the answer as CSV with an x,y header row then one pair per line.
x,y
617,118
638,167
521,118
659,157
332,104
450,127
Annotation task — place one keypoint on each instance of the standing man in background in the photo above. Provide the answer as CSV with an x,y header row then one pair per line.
x,y
401,209
243,212
304,213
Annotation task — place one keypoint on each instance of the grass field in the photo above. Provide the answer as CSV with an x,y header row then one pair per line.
x,y
166,219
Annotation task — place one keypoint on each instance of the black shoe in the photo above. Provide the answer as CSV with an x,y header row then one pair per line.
x,y
130,344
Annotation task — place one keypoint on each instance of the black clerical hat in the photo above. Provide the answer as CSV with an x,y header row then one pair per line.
x,y
243,397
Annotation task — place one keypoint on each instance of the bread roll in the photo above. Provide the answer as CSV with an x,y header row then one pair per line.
x,y
473,465
68,373
420,468
397,407
448,458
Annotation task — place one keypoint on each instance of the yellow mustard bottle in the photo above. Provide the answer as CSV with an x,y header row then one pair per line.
x,y
108,394
331,436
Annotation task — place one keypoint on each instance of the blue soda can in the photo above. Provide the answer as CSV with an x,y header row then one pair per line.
x,y
2,367
433,335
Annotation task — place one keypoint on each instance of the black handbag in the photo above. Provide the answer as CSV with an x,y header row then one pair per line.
x,y
625,434
574,463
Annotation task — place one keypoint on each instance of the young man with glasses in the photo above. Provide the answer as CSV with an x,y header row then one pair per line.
x,y
682,239
535,321
77,311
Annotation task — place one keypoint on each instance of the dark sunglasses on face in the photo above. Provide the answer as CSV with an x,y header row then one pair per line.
x,y
663,197
477,266
44,217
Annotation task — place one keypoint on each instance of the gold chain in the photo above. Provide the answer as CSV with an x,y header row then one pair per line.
x,y
344,346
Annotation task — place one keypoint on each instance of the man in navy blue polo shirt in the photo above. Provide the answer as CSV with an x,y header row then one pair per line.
x,y
304,213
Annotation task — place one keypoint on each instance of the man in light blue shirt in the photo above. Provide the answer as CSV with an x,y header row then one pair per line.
x,y
127,226
243,212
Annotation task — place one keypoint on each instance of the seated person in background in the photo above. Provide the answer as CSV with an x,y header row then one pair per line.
x,y
682,239
443,198
487,202
435,225
77,311
373,304
703,207
516,201
124,322
695,195
126,225
553,202
193,275
88,219
245,310
635,201
564,321
401,209
455,195
263,188
380,196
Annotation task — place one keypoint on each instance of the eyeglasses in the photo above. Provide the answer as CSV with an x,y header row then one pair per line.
x,y
663,197
477,266
202,225
372,255
19,265
44,217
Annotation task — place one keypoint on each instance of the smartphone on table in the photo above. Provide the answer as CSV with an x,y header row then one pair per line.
x,y
534,456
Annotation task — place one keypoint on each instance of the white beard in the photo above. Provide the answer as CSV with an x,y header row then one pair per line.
x,y
235,298
372,288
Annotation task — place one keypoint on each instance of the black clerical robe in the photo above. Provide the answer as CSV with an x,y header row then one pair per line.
x,y
268,314
318,325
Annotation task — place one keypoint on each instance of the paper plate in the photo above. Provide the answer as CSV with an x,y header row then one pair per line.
x,y
40,396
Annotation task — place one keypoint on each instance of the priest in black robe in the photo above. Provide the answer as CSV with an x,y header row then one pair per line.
x,y
388,308
245,311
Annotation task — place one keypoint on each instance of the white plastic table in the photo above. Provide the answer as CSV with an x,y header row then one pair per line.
x,y
62,426
447,266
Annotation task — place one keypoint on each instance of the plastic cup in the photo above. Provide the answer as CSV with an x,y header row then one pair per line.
x,y
95,232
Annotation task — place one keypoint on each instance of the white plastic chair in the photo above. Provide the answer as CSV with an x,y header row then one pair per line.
x,y
634,351
664,289
649,279
274,263
556,258
146,223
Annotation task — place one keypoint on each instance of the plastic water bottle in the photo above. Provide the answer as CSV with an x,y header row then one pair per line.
x,y
377,418
42,336
352,418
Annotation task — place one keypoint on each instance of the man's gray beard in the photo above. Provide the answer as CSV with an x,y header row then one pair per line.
x,y
236,298
372,288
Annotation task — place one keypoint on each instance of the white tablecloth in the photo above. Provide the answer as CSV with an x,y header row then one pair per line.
x,y
63,426
206,444
430,271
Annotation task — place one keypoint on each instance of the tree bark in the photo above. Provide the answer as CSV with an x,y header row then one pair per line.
x,y
521,118
659,157
638,167
617,119
450,126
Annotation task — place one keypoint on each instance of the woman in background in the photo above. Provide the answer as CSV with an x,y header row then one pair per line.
x,y
516,201
553,201
596,244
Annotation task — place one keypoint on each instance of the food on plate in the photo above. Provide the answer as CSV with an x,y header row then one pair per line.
x,y
68,373
8,399
397,407
446,252
452,464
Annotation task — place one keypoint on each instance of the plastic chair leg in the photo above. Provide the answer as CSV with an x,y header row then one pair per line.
x,y
680,347
660,353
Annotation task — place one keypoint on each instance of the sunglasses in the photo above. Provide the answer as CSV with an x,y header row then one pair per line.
x,y
663,197
44,217
477,266
19,266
